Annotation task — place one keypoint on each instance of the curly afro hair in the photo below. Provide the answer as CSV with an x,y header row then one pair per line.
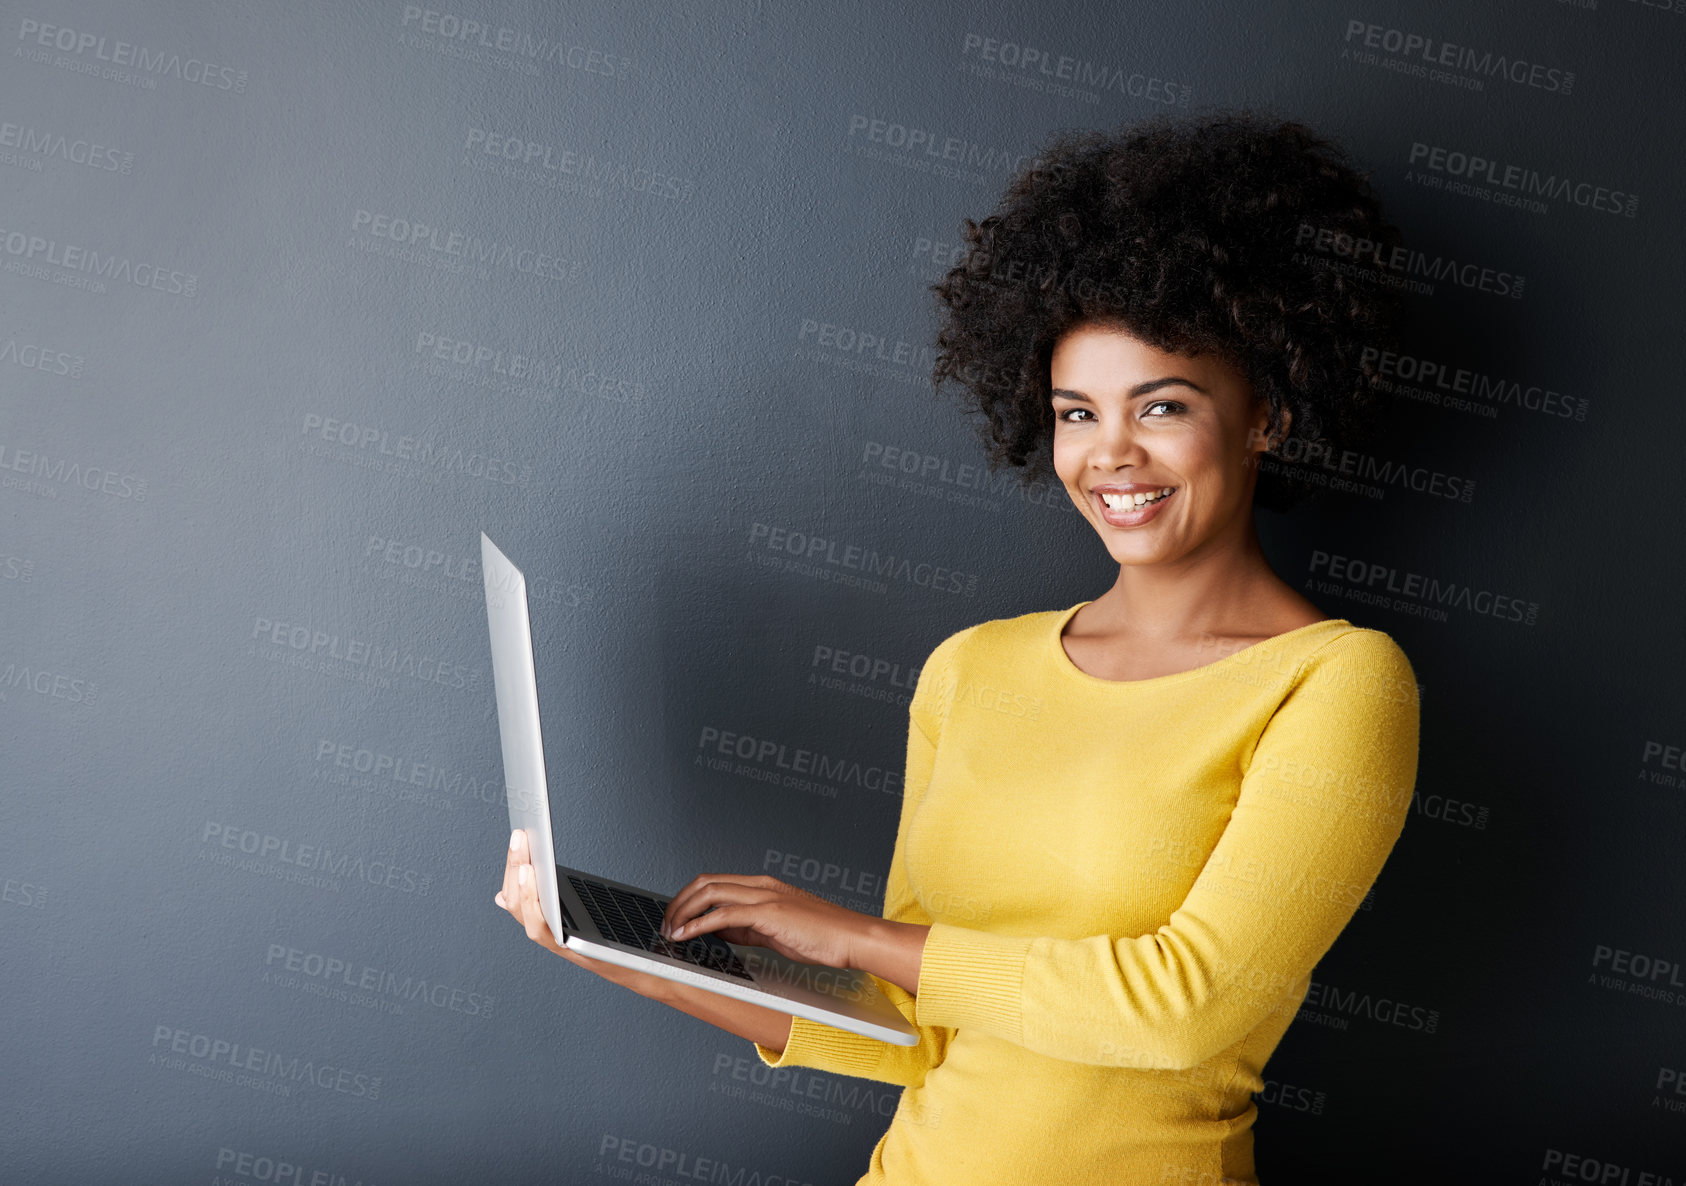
x,y
1186,233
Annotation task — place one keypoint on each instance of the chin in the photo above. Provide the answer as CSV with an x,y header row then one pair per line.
x,y
1132,552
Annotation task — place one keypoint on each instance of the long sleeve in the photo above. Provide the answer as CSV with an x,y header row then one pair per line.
x,y
1322,800
826,1048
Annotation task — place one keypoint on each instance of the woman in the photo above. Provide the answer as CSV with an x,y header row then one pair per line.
x,y
1131,827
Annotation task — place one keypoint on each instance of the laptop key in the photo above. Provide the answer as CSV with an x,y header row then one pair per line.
x,y
635,921
638,910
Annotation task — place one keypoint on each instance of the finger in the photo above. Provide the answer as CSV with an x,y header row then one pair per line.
x,y
708,900
742,936
742,916
694,898
677,903
513,860
532,914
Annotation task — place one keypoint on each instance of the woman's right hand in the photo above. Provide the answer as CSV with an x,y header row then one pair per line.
x,y
520,896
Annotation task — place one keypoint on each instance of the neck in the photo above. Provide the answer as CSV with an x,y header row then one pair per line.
x,y
1215,589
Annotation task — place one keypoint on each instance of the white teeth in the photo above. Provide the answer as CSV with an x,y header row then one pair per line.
x,y
1126,502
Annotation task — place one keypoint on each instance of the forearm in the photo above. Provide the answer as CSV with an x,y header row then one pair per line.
x,y
769,1027
891,951
888,950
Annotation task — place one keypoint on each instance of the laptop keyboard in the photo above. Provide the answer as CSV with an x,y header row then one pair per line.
x,y
636,921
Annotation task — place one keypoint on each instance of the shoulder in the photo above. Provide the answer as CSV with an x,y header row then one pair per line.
x,y
1362,666
995,640
979,652
1346,734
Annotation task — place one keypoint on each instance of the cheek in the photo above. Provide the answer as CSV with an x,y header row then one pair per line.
x,y
1068,460
1197,453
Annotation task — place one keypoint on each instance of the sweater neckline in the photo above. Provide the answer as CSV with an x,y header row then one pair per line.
x,y
1066,664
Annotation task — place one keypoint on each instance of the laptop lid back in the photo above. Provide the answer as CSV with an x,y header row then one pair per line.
x,y
518,720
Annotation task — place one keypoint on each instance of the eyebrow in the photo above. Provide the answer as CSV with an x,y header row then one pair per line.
x,y
1139,389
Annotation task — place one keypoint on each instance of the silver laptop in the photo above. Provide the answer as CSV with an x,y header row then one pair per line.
x,y
620,923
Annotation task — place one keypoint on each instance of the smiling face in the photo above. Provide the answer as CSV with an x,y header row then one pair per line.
x,y
1132,421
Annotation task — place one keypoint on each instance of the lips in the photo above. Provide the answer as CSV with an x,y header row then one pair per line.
x,y
1121,500
1136,514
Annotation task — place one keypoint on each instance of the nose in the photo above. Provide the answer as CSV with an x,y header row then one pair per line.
x,y
1117,445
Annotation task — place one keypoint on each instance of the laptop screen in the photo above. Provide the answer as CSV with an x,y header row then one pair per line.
x,y
518,719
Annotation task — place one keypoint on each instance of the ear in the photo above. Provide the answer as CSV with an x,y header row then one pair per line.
x,y
1287,426
1264,443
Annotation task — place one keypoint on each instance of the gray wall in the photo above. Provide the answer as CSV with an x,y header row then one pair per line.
x,y
280,337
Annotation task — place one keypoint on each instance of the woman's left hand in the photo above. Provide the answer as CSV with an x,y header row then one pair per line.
x,y
766,912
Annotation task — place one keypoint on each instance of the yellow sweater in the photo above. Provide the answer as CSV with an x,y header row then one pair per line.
x,y
1129,885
